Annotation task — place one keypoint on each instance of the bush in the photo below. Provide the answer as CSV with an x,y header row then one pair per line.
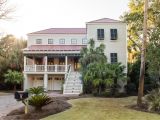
x,y
153,100
38,98
130,89
36,90
38,101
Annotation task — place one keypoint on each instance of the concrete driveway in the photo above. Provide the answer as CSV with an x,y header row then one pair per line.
x,y
8,103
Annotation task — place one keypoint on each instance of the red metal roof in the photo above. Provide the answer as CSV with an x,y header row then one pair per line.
x,y
61,31
105,20
54,48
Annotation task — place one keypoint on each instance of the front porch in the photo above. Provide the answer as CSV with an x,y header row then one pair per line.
x,y
50,64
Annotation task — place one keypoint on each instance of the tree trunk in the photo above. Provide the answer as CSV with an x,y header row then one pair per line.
x,y
143,52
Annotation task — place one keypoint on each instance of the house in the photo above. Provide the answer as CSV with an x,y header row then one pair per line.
x,y
51,58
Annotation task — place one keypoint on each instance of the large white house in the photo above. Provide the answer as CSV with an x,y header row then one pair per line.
x,y
51,58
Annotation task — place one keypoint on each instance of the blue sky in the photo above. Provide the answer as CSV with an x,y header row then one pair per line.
x,y
33,15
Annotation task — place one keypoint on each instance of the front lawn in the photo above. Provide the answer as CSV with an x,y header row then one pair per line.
x,y
103,109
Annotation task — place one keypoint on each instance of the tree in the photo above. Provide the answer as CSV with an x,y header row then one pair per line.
x,y
104,75
5,11
153,55
89,55
14,78
92,54
143,56
11,54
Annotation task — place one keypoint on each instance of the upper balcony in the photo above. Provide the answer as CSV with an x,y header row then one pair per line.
x,y
39,64
46,68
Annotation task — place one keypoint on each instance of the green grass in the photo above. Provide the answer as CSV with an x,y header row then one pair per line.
x,y
103,109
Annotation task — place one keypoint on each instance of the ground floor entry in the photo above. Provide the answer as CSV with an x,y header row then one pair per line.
x,y
55,82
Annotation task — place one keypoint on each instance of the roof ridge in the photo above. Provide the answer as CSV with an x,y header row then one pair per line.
x,y
99,20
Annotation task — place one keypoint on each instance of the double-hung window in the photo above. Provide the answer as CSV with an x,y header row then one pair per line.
x,y
84,41
38,41
113,33
50,41
100,34
114,57
74,41
62,41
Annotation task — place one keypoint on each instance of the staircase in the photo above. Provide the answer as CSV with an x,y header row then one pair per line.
x,y
73,83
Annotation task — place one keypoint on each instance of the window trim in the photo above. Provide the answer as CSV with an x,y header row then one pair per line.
x,y
60,41
115,37
114,59
38,41
75,42
99,37
50,42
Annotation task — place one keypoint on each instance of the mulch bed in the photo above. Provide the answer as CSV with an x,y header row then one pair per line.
x,y
58,105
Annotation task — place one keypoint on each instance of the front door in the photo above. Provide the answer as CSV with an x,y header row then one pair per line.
x,y
76,64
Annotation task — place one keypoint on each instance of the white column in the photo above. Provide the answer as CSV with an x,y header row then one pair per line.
x,y
25,61
45,62
33,61
25,82
66,63
45,82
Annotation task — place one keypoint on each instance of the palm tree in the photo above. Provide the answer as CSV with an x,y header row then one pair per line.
x,y
103,75
143,52
13,77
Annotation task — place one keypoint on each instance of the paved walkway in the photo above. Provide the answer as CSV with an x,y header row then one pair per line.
x,y
7,104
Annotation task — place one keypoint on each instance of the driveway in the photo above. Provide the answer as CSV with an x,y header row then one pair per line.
x,y
7,104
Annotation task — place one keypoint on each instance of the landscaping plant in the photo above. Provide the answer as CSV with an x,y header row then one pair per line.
x,y
153,100
38,98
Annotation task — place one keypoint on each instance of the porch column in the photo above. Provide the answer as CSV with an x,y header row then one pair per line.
x,y
45,82
25,61
33,62
66,63
25,82
45,62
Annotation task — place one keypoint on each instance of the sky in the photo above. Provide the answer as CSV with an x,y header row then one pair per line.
x,y
34,15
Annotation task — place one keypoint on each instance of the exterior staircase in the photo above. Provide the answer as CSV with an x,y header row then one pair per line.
x,y
73,83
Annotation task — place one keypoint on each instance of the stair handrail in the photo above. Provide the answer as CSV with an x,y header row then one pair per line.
x,y
67,74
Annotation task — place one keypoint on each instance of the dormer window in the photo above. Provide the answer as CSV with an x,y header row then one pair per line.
x,y
100,34
62,41
50,41
38,41
113,33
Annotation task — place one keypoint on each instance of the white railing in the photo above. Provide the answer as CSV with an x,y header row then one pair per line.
x,y
48,68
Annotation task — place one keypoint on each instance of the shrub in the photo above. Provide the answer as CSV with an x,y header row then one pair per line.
x,y
153,100
36,90
38,98
38,101
130,89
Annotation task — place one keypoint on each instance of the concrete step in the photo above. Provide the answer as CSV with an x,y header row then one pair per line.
x,y
73,82
71,92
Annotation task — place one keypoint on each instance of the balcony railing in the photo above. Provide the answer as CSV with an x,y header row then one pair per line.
x,y
47,68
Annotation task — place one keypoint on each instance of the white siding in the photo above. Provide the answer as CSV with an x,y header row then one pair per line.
x,y
118,46
56,37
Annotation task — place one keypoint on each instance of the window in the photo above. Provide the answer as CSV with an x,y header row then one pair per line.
x,y
113,34
84,41
38,41
113,57
100,34
62,41
73,41
50,41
